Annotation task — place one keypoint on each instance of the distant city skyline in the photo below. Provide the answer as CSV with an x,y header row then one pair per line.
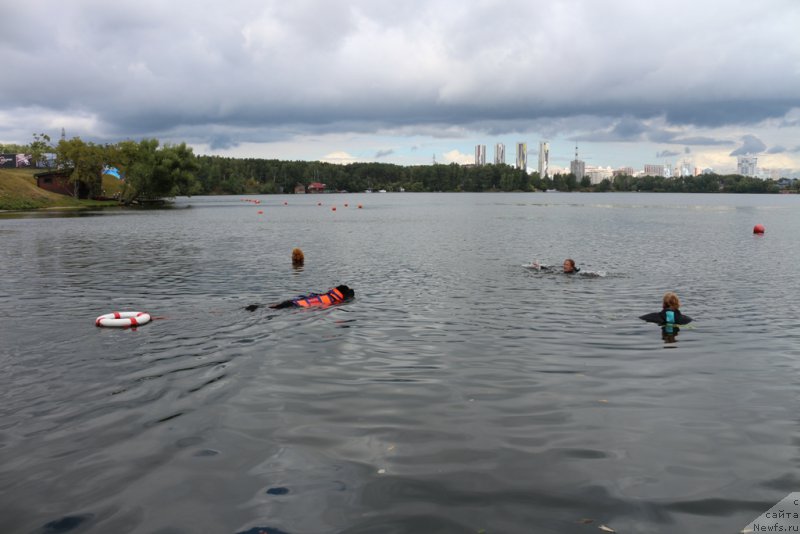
x,y
413,82
667,165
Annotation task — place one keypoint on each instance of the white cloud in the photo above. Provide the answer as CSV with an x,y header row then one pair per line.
x,y
454,156
339,157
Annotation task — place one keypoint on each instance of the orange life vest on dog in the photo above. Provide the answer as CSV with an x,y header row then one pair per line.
x,y
334,296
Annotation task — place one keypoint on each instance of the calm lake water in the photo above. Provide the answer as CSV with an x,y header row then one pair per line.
x,y
459,392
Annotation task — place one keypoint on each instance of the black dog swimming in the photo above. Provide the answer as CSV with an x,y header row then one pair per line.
x,y
335,295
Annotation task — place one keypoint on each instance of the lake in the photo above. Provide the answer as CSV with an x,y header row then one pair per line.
x,y
458,392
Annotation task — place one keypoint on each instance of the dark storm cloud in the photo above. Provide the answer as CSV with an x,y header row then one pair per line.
x,y
700,141
667,154
713,113
624,129
221,142
383,153
776,150
628,128
659,135
750,145
631,129
145,68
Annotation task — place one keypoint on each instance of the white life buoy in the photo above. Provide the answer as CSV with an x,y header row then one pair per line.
x,y
123,319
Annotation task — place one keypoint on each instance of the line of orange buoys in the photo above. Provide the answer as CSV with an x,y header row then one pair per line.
x,y
286,203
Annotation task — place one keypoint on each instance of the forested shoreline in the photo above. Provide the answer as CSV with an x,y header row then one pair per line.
x,y
150,170
218,175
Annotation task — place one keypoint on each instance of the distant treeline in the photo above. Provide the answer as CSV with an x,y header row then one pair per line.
x,y
217,175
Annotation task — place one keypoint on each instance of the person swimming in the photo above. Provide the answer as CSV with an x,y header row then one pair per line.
x,y
335,295
670,313
669,318
568,267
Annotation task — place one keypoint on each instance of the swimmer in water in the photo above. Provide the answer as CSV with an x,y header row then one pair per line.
x,y
670,313
569,267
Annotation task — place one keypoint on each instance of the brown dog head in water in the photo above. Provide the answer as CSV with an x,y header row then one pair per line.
x,y
298,258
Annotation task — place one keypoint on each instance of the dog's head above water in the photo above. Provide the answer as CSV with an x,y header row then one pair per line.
x,y
346,291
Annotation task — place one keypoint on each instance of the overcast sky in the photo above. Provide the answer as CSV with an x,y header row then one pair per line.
x,y
629,81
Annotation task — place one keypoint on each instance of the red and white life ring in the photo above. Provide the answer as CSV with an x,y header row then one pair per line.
x,y
123,319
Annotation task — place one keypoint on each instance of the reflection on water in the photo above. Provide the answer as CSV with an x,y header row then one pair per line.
x,y
458,392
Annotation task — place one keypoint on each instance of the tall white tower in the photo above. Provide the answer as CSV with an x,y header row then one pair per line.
x,y
544,159
577,167
522,156
499,154
480,154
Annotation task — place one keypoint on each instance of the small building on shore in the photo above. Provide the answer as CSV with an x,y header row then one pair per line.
x,y
316,187
58,182
299,189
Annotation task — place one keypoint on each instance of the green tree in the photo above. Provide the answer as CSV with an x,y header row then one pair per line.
x,y
177,165
603,186
41,146
622,183
86,160
536,181
151,173
571,181
560,183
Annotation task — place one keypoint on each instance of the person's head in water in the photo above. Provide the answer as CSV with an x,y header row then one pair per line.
x,y
569,266
671,301
298,258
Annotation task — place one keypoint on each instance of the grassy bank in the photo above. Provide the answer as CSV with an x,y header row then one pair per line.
x,y
18,191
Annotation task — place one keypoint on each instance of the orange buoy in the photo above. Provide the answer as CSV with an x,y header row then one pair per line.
x,y
319,203
333,208
285,203
759,229
345,204
260,212
359,206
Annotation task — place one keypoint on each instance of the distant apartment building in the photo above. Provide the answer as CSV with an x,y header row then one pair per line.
x,y
747,165
480,154
598,174
577,167
624,171
499,154
774,174
653,170
522,156
686,169
544,159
